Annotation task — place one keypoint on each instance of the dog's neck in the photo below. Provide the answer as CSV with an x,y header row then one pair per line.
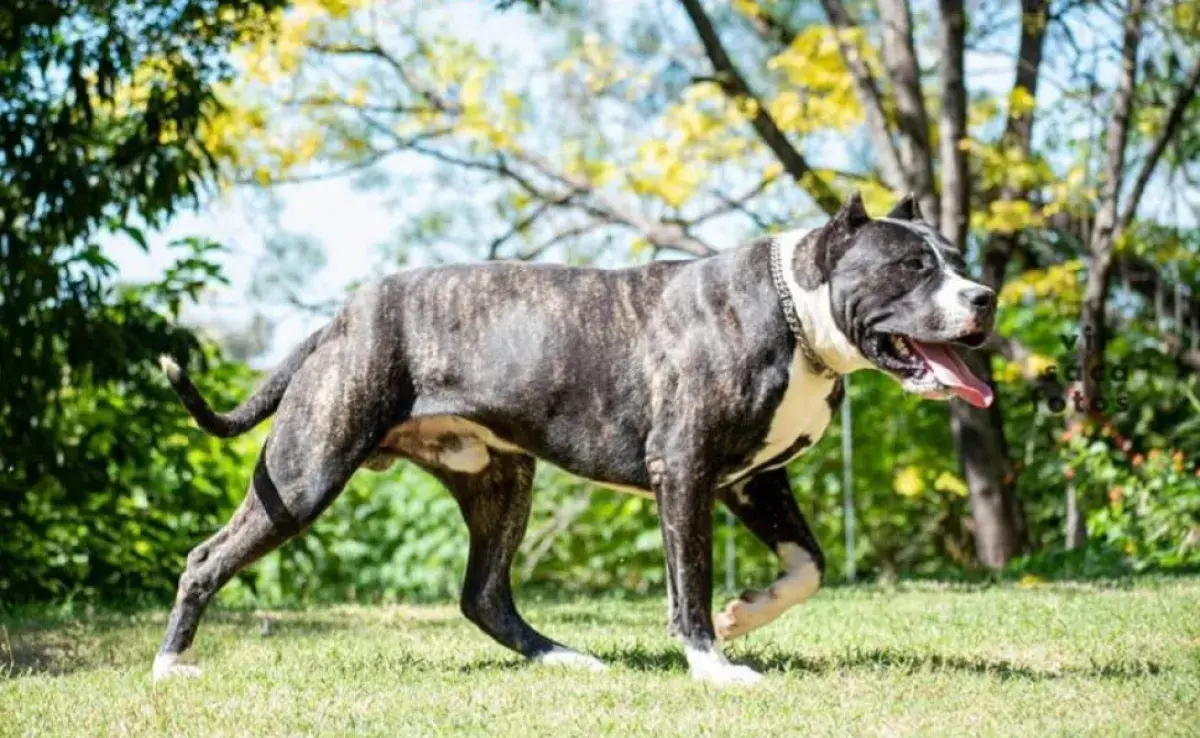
x,y
813,309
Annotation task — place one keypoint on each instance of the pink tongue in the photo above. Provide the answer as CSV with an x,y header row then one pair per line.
x,y
952,372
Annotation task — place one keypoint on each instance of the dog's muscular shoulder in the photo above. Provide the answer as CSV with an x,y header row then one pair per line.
x,y
726,374
730,366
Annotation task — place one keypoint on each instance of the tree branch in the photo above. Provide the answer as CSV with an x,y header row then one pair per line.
x,y
865,88
1188,358
499,167
557,238
1174,119
357,166
734,85
591,200
1018,128
377,51
1035,20
900,59
729,205
602,204
523,223
1147,280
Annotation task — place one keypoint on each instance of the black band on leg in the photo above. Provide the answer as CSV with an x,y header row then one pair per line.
x,y
268,495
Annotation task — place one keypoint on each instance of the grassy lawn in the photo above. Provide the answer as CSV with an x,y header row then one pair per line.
x,y
1067,659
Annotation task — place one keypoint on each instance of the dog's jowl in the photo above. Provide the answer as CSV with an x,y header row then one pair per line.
x,y
694,382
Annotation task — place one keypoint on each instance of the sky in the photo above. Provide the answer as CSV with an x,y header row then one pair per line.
x,y
349,222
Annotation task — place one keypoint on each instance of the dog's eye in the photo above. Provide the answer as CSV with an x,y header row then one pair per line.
x,y
914,264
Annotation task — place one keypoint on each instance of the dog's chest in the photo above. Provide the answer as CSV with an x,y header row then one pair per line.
x,y
797,423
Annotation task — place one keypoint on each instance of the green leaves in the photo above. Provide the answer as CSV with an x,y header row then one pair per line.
x,y
99,133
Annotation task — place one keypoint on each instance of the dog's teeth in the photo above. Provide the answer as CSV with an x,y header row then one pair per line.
x,y
900,346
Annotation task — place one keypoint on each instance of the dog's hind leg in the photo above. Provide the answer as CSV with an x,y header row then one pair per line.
x,y
766,506
495,503
249,535
327,425
279,505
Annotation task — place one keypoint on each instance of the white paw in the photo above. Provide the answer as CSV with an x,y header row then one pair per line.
x,y
711,666
172,666
729,675
738,618
572,659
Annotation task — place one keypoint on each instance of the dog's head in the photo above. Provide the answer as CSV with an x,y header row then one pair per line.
x,y
899,294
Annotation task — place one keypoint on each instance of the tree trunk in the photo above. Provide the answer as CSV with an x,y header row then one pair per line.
x,y
979,434
999,524
1104,234
953,124
983,450
900,59
1093,325
983,455
1076,524
1093,318
869,97
734,84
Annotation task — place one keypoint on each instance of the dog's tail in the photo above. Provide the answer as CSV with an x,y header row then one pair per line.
x,y
254,410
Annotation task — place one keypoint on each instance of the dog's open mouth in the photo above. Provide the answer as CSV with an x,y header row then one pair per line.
x,y
932,363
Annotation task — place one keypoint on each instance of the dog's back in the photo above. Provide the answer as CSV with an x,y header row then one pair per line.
x,y
529,337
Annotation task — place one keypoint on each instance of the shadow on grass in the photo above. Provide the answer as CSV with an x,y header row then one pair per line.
x,y
285,623
890,660
631,619
37,659
51,647
58,658
908,663
45,651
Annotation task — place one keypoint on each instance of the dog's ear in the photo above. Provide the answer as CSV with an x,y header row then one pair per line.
x,y
837,237
853,214
906,209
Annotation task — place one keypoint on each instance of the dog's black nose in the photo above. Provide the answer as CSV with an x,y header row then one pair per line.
x,y
981,298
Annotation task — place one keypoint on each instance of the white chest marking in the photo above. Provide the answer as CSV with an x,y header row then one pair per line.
x,y
803,411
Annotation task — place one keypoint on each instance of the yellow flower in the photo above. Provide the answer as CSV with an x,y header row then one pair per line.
x,y
1006,216
908,482
1008,372
950,483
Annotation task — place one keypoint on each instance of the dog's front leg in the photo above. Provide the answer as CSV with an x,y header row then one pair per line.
x,y
685,497
672,618
766,506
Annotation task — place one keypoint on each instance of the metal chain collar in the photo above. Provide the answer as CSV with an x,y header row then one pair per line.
x,y
815,364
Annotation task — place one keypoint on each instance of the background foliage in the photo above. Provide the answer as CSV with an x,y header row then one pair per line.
x,y
101,105
612,137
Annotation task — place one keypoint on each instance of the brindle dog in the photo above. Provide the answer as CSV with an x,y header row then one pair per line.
x,y
690,381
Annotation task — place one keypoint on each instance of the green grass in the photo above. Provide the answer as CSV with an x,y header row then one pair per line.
x,y
1064,659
